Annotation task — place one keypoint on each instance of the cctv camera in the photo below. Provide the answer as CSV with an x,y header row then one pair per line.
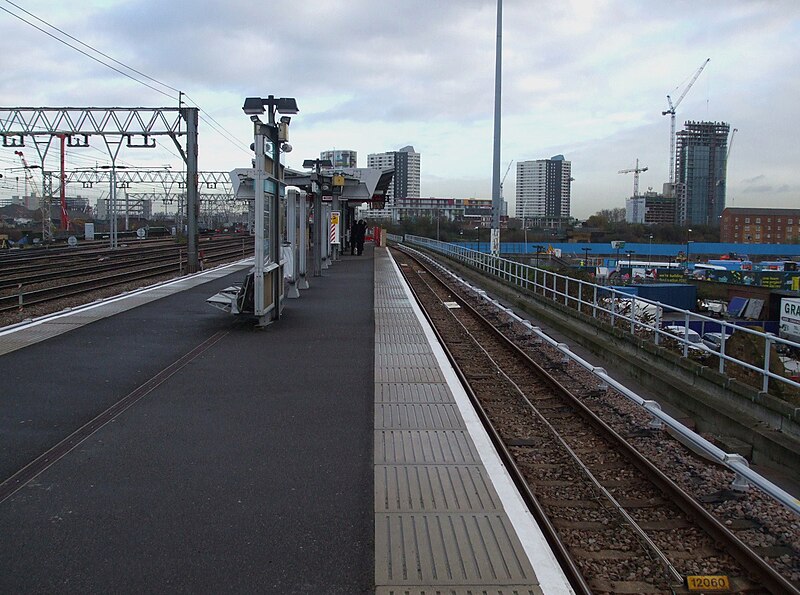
x,y
286,148
255,118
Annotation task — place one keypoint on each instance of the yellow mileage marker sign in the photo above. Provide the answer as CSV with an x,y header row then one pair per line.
x,y
708,583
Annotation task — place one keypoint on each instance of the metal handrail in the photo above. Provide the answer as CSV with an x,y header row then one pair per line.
x,y
744,476
522,274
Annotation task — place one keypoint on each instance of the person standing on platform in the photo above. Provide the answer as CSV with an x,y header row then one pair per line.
x,y
353,234
361,232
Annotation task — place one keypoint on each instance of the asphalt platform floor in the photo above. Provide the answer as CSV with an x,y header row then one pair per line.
x,y
247,468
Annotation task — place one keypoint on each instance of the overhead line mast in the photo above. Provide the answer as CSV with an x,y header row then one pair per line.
x,y
496,198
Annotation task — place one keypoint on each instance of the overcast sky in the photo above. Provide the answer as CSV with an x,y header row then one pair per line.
x,y
584,78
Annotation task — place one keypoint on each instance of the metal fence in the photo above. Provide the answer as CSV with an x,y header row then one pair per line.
x,y
643,318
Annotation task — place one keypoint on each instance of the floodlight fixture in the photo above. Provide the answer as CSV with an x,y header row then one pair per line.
x,y
253,106
313,163
285,105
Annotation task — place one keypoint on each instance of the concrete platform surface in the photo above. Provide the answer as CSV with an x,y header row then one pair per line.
x,y
246,468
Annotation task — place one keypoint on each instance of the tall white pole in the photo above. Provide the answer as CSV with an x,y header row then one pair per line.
x,y
497,200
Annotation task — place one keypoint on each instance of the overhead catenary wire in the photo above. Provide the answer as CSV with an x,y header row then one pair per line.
x,y
216,126
85,53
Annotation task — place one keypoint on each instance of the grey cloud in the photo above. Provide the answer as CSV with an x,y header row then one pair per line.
x,y
762,189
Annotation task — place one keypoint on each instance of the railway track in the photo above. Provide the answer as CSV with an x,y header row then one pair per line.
x,y
86,249
71,275
618,523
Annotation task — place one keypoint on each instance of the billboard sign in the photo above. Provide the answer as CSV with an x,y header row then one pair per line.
x,y
789,327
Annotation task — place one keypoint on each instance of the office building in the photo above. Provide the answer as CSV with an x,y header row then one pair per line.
x,y
543,189
341,158
700,166
749,225
406,165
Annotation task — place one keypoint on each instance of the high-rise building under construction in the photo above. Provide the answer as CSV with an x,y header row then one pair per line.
x,y
700,172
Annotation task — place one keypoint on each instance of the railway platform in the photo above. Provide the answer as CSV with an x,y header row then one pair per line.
x,y
150,443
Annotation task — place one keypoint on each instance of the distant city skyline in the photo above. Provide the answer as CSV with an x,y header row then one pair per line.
x,y
584,79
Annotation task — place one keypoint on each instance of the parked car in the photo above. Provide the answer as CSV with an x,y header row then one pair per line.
x,y
713,341
686,334
644,311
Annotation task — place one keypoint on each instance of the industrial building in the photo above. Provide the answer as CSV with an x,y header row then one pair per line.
x,y
747,225
125,207
478,210
700,172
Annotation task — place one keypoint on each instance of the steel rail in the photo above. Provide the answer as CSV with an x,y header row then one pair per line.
x,y
39,296
767,575
11,303
77,270
80,267
736,463
560,551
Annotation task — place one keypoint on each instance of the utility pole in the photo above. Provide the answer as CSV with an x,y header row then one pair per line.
x,y
497,201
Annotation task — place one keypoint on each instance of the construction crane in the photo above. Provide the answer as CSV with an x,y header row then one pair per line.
x,y
44,204
671,112
636,171
504,177
29,181
730,144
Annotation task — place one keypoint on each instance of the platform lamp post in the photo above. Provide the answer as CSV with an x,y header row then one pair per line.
x,y
629,254
319,230
277,134
538,251
586,255
650,251
688,231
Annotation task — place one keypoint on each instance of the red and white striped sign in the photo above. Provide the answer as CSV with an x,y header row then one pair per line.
x,y
333,229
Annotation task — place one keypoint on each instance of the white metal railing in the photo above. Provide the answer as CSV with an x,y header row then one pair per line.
x,y
642,317
743,475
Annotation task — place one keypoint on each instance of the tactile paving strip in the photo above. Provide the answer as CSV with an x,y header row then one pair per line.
x,y
439,525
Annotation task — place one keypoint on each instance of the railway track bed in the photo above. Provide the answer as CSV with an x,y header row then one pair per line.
x,y
630,509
